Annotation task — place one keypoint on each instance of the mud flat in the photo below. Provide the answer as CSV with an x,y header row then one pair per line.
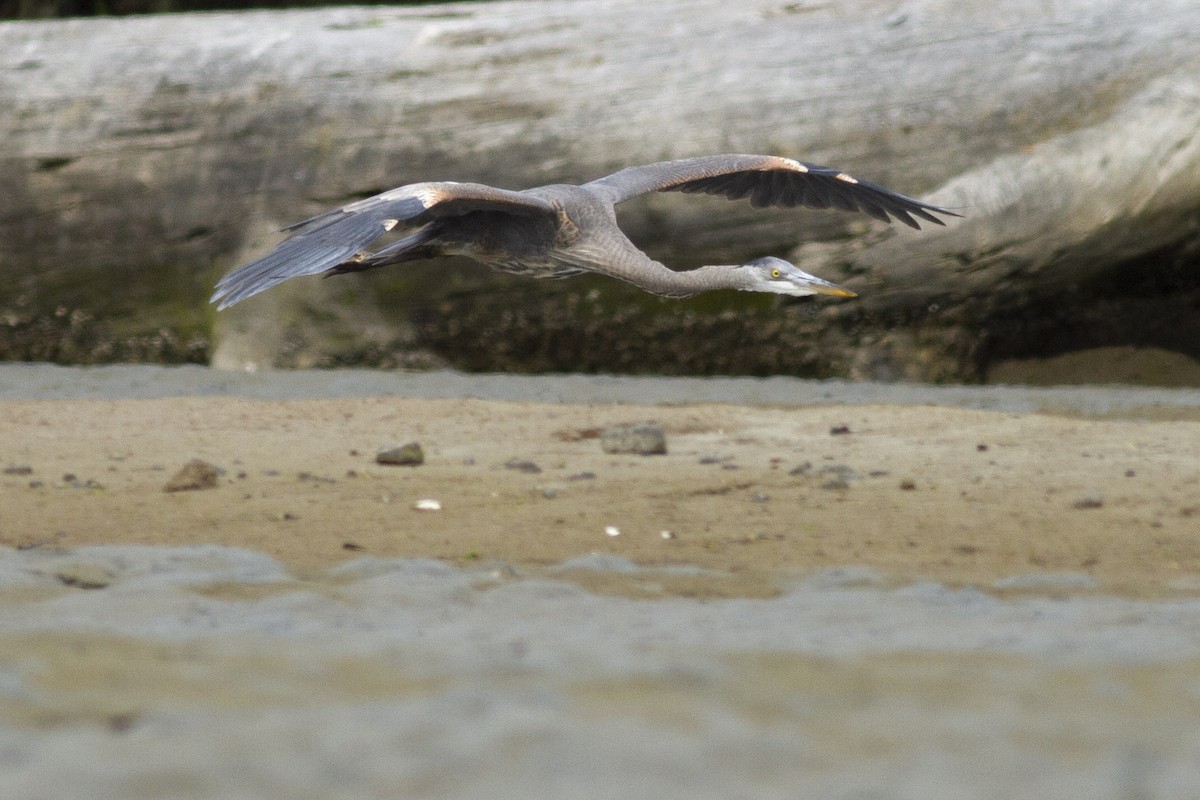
x,y
821,589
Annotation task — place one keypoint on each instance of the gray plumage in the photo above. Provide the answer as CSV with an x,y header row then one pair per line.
x,y
561,230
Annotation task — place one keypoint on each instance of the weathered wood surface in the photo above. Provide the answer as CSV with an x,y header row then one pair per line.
x,y
145,156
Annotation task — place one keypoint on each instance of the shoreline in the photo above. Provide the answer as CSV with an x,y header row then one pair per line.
x,y
1098,487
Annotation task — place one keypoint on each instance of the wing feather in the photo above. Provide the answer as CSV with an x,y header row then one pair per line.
x,y
769,181
319,244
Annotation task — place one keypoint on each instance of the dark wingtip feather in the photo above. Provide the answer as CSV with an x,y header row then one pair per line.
x,y
307,252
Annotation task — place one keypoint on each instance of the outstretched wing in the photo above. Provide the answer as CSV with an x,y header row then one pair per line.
x,y
322,242
768,181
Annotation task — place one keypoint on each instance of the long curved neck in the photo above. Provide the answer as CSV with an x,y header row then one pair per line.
x,y
607,251
658,279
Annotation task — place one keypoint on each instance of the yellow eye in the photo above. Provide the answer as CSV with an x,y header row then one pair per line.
x,y
774,273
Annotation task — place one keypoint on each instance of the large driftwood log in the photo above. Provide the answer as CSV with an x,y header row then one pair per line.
x,y
143,157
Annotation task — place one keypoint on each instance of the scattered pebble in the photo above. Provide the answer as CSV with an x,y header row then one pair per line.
x,y
406,455
645,439
311,478
72,481
839,430
907,485
801,470
549,492
838,476
582,476
666,535
18,469
522,465
85,576
612,530
193,476
427,504
1089,500
1130,473
761,497
981,447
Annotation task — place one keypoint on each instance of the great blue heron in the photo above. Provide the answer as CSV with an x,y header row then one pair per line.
x,y
561,230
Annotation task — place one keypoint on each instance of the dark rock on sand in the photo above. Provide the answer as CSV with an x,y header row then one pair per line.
x,y
408,455
642,439
194,475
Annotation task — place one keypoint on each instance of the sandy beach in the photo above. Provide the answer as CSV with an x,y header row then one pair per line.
x,y
918,492
821,589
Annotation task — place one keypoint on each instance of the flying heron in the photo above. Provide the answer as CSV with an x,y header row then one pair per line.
x,y
561,230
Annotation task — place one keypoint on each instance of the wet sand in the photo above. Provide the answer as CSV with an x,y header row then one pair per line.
x,y
960,496
865,591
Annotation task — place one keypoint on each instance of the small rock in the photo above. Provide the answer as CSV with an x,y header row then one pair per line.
x,y
582,476
427,504
85,576
644,439
839,430
838,476
801,470
522,465
407,455
666,535
908,485
612,530
72,481
1089,500
18,469
194,475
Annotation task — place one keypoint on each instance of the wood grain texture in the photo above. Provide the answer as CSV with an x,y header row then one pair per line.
x,y
144,156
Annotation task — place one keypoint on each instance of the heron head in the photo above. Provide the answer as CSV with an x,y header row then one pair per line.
x,y
776,275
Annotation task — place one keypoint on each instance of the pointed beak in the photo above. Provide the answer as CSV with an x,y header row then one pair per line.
x,y
819,286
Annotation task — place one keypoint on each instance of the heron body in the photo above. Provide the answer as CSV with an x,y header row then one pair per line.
x,y
562,230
